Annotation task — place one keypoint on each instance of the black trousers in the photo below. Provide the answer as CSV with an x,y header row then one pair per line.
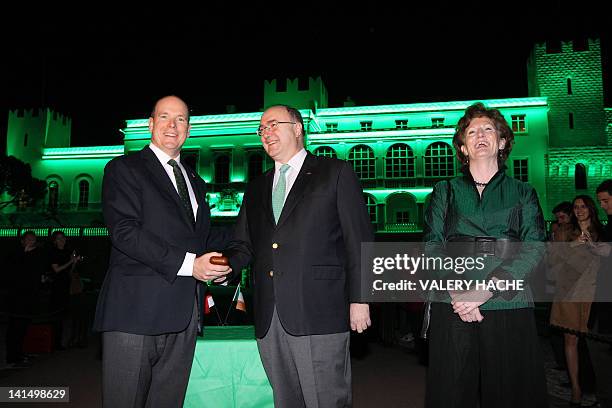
x,y
147,371
495,363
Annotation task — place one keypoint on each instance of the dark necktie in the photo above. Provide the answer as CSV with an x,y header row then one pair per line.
x,y
181,186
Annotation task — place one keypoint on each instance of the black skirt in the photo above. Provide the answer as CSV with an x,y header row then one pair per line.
x,y
494,363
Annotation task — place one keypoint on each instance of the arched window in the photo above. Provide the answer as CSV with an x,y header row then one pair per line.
x,y
371,206
83,194
362,159
401,208
580,177
439,160
53,187
222,169
255,165
325,151
399,161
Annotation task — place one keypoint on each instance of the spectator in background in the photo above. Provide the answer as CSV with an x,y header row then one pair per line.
x,y
600,324
79,311
576,282
562,213
26,268
62,261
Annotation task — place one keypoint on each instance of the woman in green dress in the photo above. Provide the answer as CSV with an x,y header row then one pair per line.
x,y
483,343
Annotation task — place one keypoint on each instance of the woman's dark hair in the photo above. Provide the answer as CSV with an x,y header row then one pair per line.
x,y
595,229
564,207
478,110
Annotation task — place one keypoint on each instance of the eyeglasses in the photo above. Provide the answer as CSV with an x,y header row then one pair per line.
x,y
272,126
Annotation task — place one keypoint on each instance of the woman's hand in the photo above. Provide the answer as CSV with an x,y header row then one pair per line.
x,y
466,301
473,316
585,238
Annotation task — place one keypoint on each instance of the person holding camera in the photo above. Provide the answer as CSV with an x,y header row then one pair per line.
x,y
62,261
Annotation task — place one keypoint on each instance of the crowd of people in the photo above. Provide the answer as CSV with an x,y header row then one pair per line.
x,y
44,287
578,259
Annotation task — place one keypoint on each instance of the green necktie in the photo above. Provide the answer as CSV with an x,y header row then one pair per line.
x,y
181,186
278,195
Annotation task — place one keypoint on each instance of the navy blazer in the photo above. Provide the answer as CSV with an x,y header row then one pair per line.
x,y
309,264
150,234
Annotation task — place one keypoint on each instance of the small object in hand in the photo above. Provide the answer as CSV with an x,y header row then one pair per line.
x,y
219,260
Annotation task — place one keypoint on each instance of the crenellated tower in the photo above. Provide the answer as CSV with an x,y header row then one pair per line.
x,y
571,78
30,131
313,96
580,147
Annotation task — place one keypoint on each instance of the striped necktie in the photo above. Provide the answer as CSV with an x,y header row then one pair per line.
x,y
181,186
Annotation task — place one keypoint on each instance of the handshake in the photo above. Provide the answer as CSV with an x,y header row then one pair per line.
x,y
212,266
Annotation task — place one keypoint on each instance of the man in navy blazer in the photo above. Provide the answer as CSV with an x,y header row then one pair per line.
x,y
159,224
301,226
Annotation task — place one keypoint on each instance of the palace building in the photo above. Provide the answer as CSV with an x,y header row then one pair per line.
x,y
563,146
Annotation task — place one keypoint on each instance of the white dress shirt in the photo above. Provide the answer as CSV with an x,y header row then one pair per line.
x,y
187,266
295,165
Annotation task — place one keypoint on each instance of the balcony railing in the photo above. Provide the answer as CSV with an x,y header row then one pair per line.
x,y
239,186
400,183
78,231
369,183
402,227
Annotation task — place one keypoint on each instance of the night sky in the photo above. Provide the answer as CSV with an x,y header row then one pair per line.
x,y
102,66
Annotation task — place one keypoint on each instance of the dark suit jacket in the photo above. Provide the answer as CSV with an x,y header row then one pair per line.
x,y
309,264
601,309
150,234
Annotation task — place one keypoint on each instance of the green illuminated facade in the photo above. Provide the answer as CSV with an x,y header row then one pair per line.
x,y
563,134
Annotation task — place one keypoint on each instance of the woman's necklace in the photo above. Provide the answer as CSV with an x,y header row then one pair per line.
x,y
479,184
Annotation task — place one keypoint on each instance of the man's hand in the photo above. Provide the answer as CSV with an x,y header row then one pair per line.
x,y
466,301
29,247
75,258
360,317
203,270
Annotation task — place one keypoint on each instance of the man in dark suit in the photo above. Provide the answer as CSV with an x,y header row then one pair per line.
x,y
301,226
600,320
159,225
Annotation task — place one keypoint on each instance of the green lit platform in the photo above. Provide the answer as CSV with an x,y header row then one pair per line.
x,y
227,371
